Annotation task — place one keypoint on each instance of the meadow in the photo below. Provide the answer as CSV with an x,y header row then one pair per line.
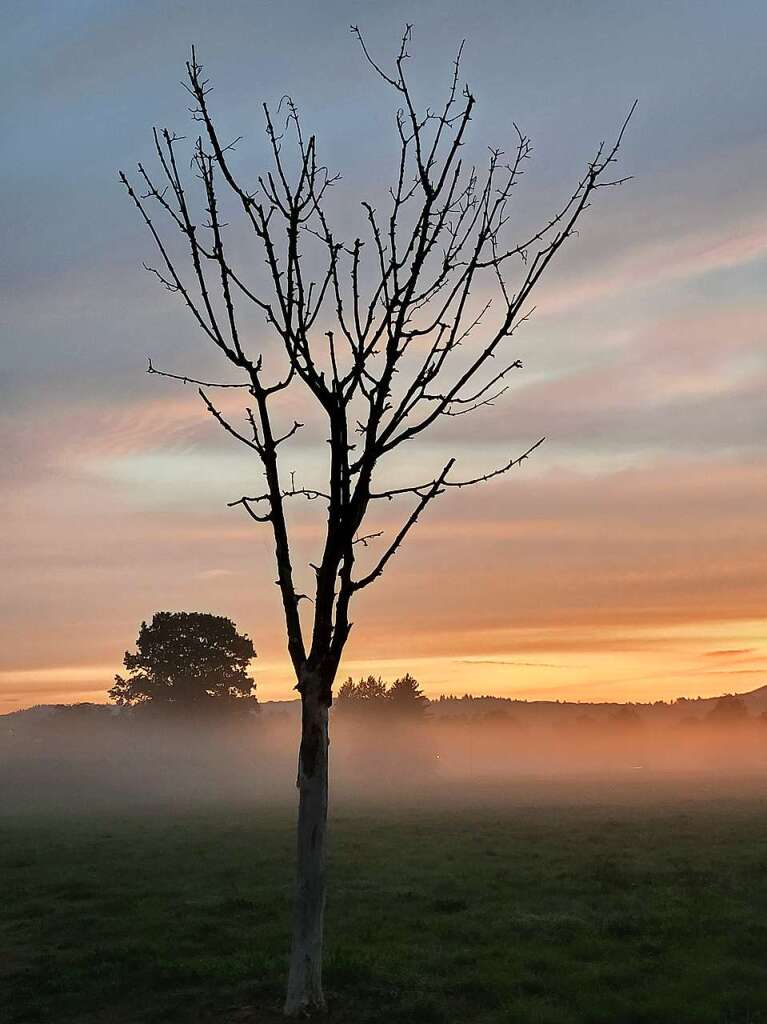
x,y
556,902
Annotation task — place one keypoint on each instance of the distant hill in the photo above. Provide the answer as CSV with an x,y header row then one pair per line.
x,y
41,711
557,711
755,700
468,705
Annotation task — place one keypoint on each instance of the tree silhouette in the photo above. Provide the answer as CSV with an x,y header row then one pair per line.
x,y
186,661
347,693
371,696
366,696
386,337
406,697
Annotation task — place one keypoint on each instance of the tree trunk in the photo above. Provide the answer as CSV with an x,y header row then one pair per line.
x,y
305,976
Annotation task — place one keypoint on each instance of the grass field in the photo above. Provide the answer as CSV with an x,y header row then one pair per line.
x,y
546,903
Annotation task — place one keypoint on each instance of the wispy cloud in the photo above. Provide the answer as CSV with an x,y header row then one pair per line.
x,y
515,664
661,263
645,366
737,652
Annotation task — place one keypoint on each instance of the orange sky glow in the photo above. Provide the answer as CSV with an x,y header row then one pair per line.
x,y
626,561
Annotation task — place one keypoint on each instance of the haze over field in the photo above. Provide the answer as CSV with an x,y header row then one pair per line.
x,y
459,752
627,560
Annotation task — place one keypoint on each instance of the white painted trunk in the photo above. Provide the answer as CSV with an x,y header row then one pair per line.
x,y
305,994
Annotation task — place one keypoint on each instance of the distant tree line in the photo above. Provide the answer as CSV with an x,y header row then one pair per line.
x,y
196,664
404,698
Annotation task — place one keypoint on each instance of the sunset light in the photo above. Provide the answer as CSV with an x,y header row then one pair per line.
x,y
383,414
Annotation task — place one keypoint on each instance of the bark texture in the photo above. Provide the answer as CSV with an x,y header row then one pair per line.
x,y
305,994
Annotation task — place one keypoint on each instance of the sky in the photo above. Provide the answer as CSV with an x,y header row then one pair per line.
x,y
626,561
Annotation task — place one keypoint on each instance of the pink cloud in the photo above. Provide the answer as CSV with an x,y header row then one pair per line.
x,y
662,261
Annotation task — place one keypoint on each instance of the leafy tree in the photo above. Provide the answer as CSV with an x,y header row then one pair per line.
x,y
187,660
370,695
371,689
347,693
386,333
406,697
366,696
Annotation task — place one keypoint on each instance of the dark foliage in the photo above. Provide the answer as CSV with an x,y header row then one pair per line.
x,y
370,690
187,660
406,696
371,696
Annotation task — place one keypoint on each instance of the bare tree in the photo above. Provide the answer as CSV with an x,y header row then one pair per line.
x,y
383,344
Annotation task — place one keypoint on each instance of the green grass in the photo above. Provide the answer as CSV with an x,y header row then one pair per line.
x,y
545,906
